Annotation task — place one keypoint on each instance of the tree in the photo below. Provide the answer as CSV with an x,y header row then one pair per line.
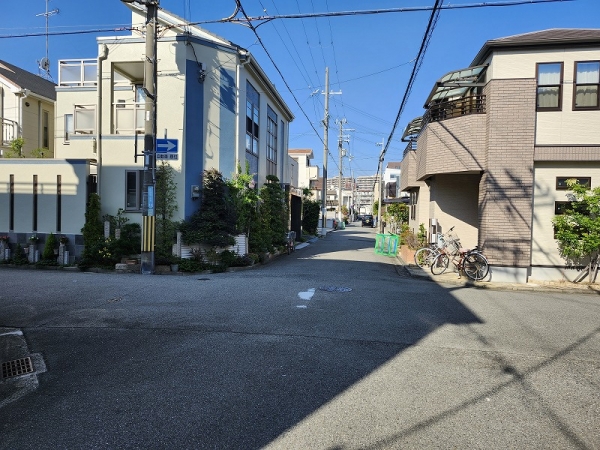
x,y
273,212
166,206
577,231
397,214
16,148
215,223
310,212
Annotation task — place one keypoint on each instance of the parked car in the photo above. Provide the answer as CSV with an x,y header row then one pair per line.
x,y
367,220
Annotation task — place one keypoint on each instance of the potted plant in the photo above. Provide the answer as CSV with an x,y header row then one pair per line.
x,y
63,240
3,239
34,239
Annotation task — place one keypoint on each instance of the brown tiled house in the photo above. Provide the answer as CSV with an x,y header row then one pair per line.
x,y
498,139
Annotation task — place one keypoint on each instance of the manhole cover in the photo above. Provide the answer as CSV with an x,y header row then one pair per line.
x,y
335,289
17,367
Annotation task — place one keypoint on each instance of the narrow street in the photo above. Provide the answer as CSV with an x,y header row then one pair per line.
x,y
332,347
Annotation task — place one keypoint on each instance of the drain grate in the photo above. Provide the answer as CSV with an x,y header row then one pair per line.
x,y
17,367
335,289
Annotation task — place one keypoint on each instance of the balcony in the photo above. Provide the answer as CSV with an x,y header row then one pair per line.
x,y
10,130
77,72
129,117
473,104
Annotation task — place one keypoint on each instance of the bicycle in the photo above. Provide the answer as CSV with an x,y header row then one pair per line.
x,y
290,242
425,256
472,262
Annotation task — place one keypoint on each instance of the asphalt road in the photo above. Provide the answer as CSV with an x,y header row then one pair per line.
x,y
332,347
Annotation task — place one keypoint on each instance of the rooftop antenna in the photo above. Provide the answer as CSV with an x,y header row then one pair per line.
x,y
44,63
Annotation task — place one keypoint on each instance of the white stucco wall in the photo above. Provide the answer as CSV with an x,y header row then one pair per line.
x,y
566,127
544,248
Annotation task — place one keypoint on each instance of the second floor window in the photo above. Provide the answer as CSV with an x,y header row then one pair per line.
x,y
587,82
549,86
252,115
134,185
271,135
69,126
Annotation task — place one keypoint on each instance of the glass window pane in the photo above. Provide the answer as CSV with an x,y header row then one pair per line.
x,y
549,74
548,97
586,96
90,73
588,73
85,120
131,190
69,127
70,73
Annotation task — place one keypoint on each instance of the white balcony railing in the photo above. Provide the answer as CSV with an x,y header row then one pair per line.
x,y
77,72
10,130
129,117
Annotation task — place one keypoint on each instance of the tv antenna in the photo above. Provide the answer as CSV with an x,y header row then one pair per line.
x,y
44,63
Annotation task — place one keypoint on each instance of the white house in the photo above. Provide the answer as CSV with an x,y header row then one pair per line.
x,y
216,108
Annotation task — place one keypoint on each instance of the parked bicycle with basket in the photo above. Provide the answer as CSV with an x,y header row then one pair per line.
x,y
425,256
470,261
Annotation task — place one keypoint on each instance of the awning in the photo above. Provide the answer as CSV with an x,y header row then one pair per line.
x,y
456,84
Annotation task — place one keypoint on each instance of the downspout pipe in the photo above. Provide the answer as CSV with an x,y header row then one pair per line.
x,y
103,54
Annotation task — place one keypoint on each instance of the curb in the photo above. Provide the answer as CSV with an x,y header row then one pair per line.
x,y
453,279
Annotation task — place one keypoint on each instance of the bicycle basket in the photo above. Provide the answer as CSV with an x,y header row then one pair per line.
x,y
452,247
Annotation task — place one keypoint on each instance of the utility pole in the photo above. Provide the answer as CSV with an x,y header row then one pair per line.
x,y
325,151
380,171
341,140
149,187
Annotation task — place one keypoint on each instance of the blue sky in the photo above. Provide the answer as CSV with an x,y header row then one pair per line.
x,y
370,57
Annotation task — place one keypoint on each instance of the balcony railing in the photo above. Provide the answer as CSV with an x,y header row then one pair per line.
x,y
474,104
129,117
410,147
10,130
77,72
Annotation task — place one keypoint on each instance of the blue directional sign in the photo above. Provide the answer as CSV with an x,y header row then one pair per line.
x,y
167,149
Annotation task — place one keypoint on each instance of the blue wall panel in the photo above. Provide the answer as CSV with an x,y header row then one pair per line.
x,y
227,91
193,136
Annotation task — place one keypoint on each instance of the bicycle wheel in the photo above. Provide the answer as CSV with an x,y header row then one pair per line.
x,y
475,266
440,264
424,257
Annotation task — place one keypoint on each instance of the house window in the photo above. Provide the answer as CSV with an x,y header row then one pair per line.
x,y
561,182
271,142
69,126
414,197
549,86
252,115
134,185
45,130
587,83
85,119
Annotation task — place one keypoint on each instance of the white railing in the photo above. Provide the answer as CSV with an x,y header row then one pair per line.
x,y
10,130
77,72
129,117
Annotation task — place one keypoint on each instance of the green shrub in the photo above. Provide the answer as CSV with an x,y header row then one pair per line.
x,y
18,257
48,253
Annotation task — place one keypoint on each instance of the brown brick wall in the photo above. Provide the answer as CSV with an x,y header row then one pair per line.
x,y
452,146
567,153
506,187
408,171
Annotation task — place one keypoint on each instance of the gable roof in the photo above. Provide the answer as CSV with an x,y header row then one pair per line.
x,y
27,80
300,151
554,37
